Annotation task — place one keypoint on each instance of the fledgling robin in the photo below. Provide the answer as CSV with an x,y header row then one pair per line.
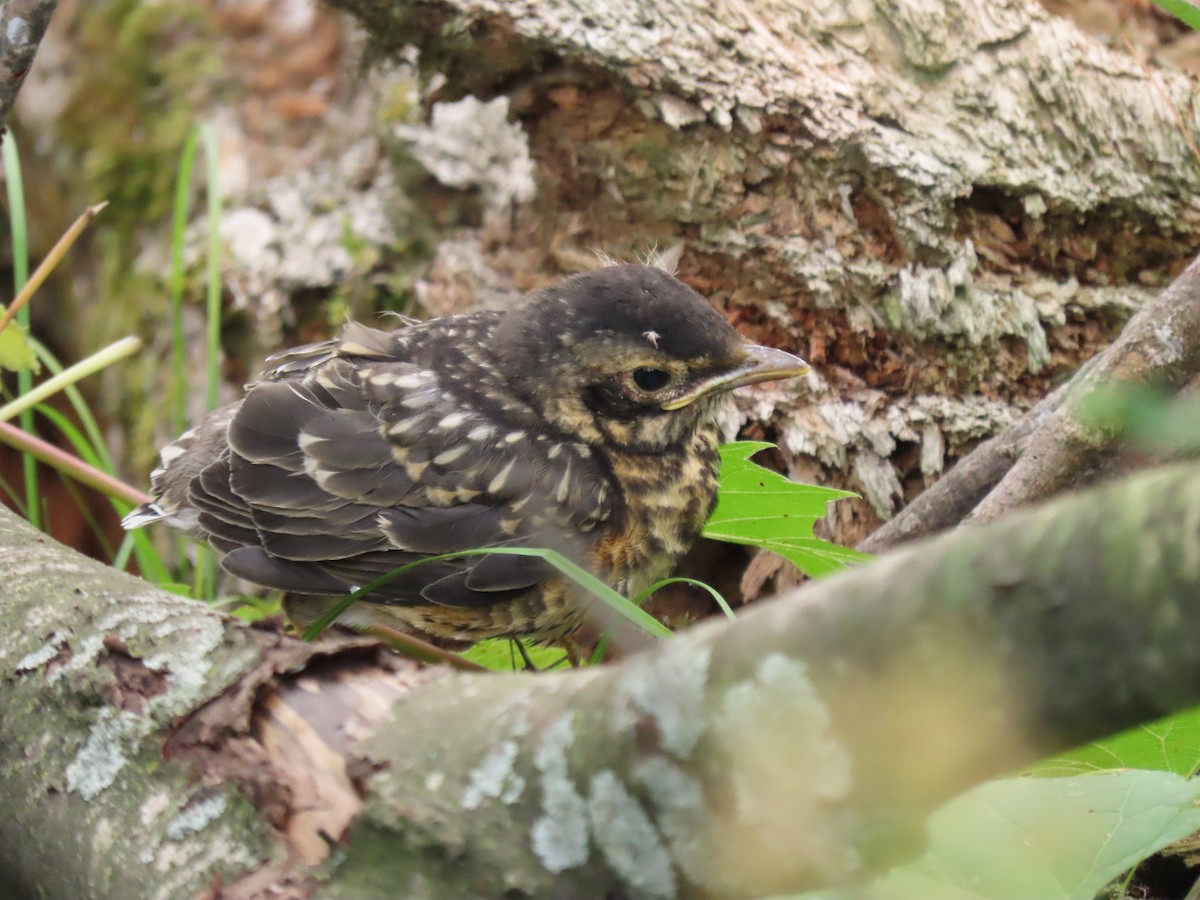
x,y
583,419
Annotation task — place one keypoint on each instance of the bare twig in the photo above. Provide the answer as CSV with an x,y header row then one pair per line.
x,y
1159,346
1048,448
57,252
422,651
64,462
22,25
955,494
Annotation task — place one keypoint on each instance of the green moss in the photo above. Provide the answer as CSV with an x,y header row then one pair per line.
x,y
142,72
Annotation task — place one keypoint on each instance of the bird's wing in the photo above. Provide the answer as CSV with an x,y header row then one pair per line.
x,y
341,473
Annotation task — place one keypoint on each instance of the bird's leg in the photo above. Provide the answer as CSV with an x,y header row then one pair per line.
x,y
572,651
520,645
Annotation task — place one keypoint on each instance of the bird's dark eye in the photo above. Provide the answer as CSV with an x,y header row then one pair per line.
x,y
650,379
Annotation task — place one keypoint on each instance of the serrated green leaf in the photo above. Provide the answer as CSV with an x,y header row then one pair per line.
x,y
762,508
1168,745
1182,10
1043,838
16,354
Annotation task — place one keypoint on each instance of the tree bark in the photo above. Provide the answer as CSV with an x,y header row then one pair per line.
x,y
165,750
1052,448
945,206
22,24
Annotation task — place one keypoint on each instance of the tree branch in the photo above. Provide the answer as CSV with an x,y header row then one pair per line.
x,y
951,498
1049,449
22,24
1159,347
800,746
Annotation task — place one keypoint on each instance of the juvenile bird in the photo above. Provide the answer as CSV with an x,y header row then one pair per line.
x,y
583,420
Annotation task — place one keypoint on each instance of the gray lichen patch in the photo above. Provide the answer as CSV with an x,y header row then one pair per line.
x,y
863,430
953,300
679,812
196,817
148,658
495,778
98,763
43,654
175,642
560,834
668,688
286,237
472,144
789,776
627,839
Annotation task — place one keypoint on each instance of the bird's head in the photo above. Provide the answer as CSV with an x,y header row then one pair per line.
x,y
630,357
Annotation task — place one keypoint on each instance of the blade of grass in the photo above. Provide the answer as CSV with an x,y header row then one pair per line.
x,y
179,215
206,568
14,497
601,648
712,592
101,359
1186,12
77,439
89,518
213,298
576,573
57,252
20,251
101,458
149,560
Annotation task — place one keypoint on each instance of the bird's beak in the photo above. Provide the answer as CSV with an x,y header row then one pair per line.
x,y
760,364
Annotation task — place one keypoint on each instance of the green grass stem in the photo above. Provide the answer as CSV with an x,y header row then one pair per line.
x,y
20,252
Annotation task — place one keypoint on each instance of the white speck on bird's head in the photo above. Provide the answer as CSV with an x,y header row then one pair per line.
x,y
653,337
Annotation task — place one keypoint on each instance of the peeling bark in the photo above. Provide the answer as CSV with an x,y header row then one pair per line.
x,y
935,203
1159,347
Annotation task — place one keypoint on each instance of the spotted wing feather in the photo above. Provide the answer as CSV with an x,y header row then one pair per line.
x,y
372,451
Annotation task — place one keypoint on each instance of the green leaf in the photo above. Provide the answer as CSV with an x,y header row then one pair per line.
x,y
1182,10
1043,838
764,509
499,655
16,354
1168,745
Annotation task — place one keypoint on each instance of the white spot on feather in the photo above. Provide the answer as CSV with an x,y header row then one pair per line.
x,y
403,426
564,486
497,483
448,456
170,453
413,380
479,433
